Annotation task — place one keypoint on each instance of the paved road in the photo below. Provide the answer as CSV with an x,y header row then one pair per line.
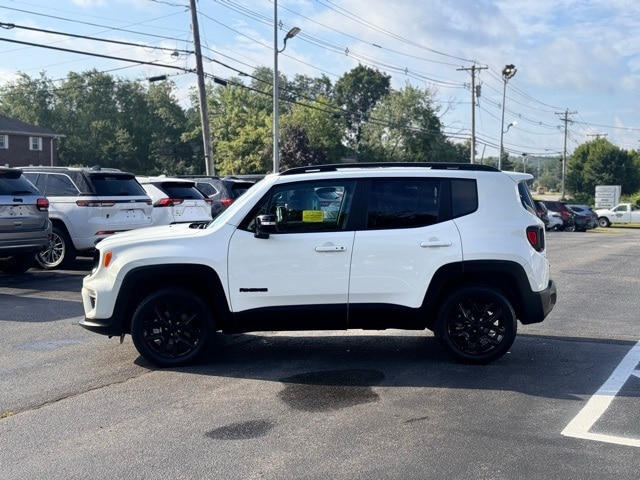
x,y
563,403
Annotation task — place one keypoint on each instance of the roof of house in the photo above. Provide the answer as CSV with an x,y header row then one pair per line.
x,y
13,126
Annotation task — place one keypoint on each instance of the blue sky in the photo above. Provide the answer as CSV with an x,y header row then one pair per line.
x,y
575,56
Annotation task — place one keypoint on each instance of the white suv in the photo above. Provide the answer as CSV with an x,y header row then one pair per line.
x,y
176,200
85,206
454,248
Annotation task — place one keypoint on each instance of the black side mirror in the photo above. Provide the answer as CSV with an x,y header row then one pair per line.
x,y
265,226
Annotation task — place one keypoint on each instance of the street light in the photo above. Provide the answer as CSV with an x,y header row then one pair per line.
x,y
276,84
507,73
510,125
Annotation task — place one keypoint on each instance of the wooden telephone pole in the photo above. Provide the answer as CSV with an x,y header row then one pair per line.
x,y
202,94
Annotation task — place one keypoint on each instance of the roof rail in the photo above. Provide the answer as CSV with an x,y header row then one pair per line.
x,y
432,165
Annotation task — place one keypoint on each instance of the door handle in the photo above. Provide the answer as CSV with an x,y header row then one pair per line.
x,y
331,248
436,243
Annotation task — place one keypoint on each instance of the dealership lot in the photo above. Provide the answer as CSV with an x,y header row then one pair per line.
x,y
563,403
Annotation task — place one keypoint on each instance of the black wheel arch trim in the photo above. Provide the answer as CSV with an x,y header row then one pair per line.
x,y
509,277
141,281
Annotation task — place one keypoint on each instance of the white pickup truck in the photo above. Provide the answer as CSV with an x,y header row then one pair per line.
x,y
621,213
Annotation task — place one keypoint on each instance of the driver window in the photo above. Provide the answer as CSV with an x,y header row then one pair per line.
x,y
309,206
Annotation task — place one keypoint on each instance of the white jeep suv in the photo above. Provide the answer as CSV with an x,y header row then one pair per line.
x,y
454,248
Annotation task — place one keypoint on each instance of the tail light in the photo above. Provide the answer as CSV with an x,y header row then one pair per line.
x,y
226,201
42,204
535,235
168,202
209,200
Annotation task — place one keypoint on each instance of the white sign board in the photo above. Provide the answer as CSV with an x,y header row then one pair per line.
x,y
607,196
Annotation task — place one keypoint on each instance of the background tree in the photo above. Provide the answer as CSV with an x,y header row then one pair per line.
x,y
599,162
357,92
322,128
404,127
168,151
31,100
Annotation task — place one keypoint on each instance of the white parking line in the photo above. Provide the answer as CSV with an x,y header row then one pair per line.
x,y
596,406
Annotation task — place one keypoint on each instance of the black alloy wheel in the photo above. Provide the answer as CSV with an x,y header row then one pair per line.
x,y
476,324
171,327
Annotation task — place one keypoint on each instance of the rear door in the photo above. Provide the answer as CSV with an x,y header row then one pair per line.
x,y
408,235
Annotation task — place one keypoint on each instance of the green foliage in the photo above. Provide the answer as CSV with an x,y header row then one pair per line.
x,y
142,127
357,92
599,162
404,127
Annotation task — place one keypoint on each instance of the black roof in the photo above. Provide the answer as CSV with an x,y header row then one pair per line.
x,y
17,127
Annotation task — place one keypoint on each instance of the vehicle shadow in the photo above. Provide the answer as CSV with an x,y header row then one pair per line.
x,y
540,366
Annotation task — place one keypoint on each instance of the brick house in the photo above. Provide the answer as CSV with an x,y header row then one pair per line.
x,y
22,144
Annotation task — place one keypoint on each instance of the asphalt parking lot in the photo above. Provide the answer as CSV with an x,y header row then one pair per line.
x,y
564,403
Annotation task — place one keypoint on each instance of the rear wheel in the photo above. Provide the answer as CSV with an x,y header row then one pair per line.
x,y
171,327
16,264
60,251
603,222
476,324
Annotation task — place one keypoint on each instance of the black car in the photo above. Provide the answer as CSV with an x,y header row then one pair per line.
x,y
222,190
567,215
585,217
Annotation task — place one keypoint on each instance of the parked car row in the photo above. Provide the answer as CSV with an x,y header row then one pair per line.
x,y
51,215
561,216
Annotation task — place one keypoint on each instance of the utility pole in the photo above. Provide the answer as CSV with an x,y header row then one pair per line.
x,y
473,108
202,93
566,120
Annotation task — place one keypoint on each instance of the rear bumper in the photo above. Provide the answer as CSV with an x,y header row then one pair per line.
x,y
539,304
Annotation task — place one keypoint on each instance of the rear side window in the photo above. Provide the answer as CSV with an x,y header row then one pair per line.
x,y
206,188
181,190
464,197
58,185
526,198
117,185
238,188
403,203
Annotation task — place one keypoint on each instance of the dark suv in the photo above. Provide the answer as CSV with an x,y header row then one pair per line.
x,y
24,221
87,205
222,190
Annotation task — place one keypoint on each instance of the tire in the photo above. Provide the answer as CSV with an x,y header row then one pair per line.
x,y
17,264
603,222
171,327
59,253
570,228
476,325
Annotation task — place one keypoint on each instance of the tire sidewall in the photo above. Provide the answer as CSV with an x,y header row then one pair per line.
x,y
448,307
68,250
145,308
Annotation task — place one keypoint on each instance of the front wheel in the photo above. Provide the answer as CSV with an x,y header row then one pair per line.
x,y
171,327
476,324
